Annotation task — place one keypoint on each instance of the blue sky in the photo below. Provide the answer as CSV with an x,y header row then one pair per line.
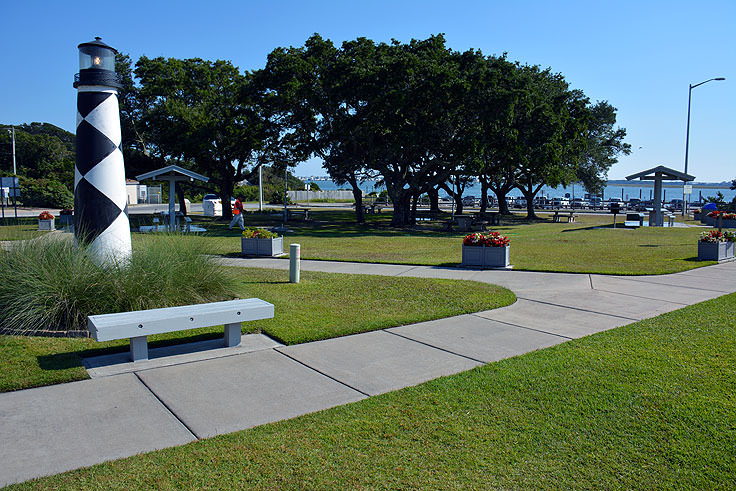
x,y
640,56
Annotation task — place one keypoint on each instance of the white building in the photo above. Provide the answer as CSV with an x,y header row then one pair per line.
x,y
137,192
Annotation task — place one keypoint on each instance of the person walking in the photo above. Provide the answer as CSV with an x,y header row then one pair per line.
x,y
238,214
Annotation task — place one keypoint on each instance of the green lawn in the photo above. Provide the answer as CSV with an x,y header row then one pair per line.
x,y
19,232
648,406
321,306
590,245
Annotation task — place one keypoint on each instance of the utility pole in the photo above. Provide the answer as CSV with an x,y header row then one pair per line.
x,y
12,133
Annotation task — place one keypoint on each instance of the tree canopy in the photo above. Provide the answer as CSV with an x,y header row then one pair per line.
x,y
418,116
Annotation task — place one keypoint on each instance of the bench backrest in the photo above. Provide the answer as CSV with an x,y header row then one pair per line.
x,y
105,327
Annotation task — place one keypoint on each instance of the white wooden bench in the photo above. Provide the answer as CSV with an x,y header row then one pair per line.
x,y
140,324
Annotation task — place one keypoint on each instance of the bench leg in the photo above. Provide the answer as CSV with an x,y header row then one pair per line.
x,y
139,348
232,334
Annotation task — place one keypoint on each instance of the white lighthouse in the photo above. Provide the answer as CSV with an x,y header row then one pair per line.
x,y
100,198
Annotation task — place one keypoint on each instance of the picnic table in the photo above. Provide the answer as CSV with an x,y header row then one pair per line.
x,y
295,213
465,223
559,215
634,220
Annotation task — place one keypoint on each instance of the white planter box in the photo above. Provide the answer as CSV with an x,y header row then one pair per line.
x,y
715,251
486,257
262,247
46,225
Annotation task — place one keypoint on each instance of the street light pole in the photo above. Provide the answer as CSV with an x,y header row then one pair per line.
x,y
687,136
12,132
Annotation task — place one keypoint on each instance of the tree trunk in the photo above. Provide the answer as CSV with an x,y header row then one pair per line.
x,y
358,196
483,197
402,205
180,196
413,215
503,206
529,193
226,191
434,200
456,196
530,206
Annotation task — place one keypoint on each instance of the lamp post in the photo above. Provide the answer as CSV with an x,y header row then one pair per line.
x,y
100,198
687,136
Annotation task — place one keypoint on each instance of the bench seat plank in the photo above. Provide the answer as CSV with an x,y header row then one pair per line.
x,y
106,327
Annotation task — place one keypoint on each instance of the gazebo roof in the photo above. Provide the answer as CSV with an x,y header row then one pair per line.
x,y
661,172
172,171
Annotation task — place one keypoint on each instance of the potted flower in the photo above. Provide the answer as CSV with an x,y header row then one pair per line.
x,y
731,243
716,246
729,220
261,242
719,219
697,214
65,217
486,251
46,221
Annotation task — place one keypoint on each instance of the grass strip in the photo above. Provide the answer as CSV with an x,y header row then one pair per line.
x,y
589,245
648,405
321,306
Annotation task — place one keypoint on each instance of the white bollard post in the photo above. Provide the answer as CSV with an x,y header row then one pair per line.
x,y
294,262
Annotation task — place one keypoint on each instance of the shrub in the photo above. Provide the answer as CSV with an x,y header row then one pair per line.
x,y
250,193
45,193
52,284
277,198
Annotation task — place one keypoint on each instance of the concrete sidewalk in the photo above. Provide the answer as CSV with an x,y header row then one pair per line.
x,y
191,392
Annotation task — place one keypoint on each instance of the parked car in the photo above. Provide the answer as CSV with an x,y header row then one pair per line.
x,y
519,202
469,200
579,203
633,204
214,197
596,203
621,204
675,204
560,203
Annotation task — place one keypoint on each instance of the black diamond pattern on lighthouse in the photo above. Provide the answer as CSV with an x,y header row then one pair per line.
x,y
99,146
99,192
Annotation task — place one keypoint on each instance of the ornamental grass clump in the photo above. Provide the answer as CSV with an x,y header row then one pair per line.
x,y
51,284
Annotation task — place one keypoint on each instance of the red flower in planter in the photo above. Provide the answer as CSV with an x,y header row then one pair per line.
x,y
494,239
45,215
712,236
474,239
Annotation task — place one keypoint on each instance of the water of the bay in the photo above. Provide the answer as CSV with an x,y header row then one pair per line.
x,y
615,189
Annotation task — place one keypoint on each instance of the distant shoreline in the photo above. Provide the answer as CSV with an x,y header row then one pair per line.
x,y
612,182
669,184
